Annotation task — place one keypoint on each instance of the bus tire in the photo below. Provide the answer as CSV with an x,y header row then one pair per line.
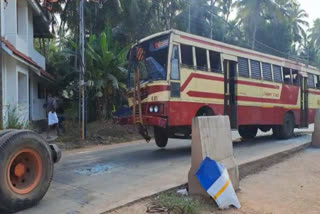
x,y
248,132
286,131
26,163
161,136
204,112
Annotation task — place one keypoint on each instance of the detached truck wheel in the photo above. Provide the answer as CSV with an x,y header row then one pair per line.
x,y
26,170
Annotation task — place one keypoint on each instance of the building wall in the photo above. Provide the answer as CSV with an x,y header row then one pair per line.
x,y
17,20
20,83
36,101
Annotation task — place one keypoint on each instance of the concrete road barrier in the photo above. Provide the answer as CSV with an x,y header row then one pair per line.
x,y
316,132
211,137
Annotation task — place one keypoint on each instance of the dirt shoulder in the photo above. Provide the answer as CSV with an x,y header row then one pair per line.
x,y
99,133
291,186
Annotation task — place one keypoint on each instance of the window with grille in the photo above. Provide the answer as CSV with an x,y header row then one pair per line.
x,y
267,73
243,64
255,69
277,75
311,80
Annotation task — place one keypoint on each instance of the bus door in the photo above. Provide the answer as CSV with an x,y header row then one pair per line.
x,y
304,102
230,101
175,72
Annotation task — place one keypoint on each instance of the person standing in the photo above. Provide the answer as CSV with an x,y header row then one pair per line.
x,y
53,121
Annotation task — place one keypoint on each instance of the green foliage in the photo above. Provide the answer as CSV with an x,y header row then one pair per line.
x,y
14,122
173,202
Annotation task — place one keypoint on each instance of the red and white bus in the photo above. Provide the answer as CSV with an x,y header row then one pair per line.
x,y
183,76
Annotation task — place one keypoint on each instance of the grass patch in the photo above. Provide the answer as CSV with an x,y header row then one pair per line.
x,y
179,204
14,121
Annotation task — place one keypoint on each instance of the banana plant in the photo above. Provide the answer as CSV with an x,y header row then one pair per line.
x,y
105,66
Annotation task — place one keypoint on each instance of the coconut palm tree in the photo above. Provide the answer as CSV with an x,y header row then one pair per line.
x,y
252,13
296,17
315,33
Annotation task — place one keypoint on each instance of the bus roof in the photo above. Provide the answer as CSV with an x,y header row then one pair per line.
x,y
222,45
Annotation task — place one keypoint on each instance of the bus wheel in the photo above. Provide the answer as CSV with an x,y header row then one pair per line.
x,y
205,111
248,132
161,136
26,170
286,131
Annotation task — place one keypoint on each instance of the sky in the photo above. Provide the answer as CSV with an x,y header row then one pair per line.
x,y
312,7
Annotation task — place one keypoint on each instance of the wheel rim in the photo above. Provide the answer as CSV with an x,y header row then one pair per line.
x,y
24,171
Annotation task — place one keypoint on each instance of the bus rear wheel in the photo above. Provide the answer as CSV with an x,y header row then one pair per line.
x,y
285,131
161,136
248,132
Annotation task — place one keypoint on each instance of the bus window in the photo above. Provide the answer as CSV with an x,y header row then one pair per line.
x,y
311,80
175,74
286,75
243,67
318,82
255,69
186,55
267,73
215,61
201,56
295,77
277,73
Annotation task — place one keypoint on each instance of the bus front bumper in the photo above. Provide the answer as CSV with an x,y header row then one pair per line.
x,y
147,120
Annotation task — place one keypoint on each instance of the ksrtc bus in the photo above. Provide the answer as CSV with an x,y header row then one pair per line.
x,y
182,76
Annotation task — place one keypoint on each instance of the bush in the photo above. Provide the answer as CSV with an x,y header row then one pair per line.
x,y
14,122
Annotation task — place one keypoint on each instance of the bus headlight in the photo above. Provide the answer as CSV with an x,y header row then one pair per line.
x,y
156,109
151,109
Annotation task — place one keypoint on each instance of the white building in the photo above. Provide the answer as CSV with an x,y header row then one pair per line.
x,y
24,76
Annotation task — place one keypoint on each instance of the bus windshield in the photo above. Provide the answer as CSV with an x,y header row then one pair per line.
x,y
153,67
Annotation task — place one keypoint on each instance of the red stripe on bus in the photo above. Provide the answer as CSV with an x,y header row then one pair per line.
x,y
242,51
239,98
205,95
242,82
314,92
153,89
284,99
157,88
263,85
199,76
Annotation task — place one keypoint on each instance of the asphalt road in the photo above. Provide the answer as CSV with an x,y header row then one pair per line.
x,y
103,178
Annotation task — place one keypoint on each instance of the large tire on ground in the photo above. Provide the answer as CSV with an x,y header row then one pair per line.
x,y
286,131
26,170
248,132
161,136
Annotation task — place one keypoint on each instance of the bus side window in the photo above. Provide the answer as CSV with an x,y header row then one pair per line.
x,y
175,74
310,80
201,57
186,55
255,69
318,82
286,75
215,61
295,77
243,64
267,73
277,73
